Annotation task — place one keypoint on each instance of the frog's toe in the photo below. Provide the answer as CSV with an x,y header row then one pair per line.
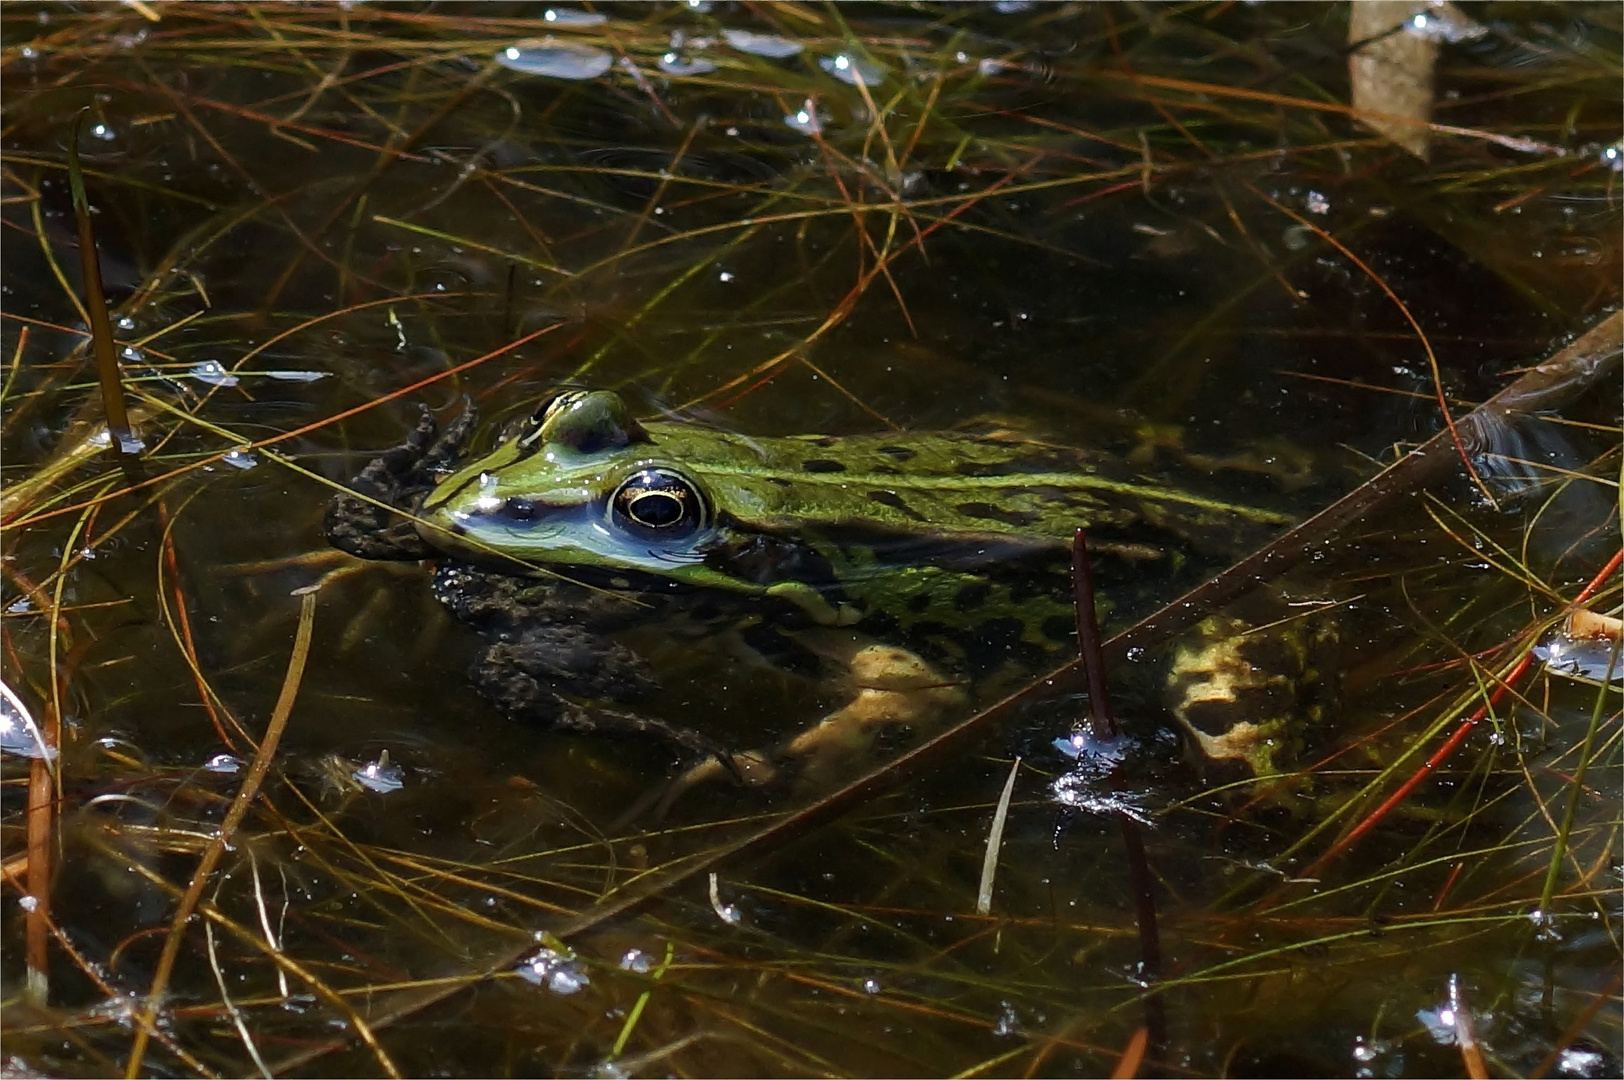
x,y
369,531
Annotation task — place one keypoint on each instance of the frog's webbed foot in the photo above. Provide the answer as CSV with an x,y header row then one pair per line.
x,y
398,479
555,675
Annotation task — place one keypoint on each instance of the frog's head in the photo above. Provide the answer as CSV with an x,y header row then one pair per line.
x,y
581,484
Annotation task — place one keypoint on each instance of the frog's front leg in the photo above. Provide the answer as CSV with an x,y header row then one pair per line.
x,y
365,522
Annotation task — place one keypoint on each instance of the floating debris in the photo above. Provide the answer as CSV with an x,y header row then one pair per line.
x,y
728,913
554,969
557,60
771,46
853,70
380,776
213,373
1591,659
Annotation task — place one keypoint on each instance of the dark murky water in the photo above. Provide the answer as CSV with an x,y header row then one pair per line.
x,y
1151,230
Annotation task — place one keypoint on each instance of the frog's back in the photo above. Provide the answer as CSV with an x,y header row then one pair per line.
x,y
947,487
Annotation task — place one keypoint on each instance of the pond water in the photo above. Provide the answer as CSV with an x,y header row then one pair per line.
x,y
1156,233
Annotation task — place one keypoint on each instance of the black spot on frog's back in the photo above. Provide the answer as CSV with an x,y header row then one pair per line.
x,y
971,597
989,512
898,453
822,465
895,502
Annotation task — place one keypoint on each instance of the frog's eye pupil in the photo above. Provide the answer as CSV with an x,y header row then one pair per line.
x,y
658,500
656,509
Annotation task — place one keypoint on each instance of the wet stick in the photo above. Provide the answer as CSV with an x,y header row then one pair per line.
x,y
101,327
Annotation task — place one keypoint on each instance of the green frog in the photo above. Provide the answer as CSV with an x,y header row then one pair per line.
x,y
585,524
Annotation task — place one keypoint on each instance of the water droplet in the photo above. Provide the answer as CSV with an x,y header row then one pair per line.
x,y
555,970
806,120
853,70
213,373
572,17
557,60
673,63
768,45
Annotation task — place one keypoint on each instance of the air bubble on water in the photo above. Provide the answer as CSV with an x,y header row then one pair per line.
x,y
224,764
1317,203
380,776
725,276
871,985
213,373
853,70
20,606
557,60
28,903
572,17
130,354
637,961
1007,1023
674,63
1364,1052
30,53
1011,7
125,322
554,970
240,459
297,376
806,119
769,45
104,133
130,443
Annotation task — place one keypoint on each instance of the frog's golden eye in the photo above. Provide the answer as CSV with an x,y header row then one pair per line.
x,y
658,501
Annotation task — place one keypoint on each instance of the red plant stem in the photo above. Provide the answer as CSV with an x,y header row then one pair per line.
x,y
1088,640
1457,737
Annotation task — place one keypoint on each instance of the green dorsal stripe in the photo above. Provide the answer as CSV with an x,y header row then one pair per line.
x,y
1064,481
